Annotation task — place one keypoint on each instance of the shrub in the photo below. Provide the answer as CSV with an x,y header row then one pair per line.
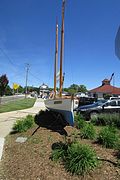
x,y
80,159
80,121
116,119
29,121
107,119
88,131
77,117
108,137
23,124
59,152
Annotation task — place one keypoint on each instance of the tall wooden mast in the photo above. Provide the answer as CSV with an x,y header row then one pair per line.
x,y
56,59
62,49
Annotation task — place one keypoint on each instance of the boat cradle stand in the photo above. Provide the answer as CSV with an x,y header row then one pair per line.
x,y
59,119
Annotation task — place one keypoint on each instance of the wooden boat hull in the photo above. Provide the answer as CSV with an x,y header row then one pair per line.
x,y
62,106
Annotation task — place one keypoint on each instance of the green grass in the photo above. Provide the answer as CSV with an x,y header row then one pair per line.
x,y
17,105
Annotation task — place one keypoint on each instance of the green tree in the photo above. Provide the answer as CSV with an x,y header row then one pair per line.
x,y
21,89
74,86
30,88
82,88
51,89
8,91
3,84
36,89
73,89
66,89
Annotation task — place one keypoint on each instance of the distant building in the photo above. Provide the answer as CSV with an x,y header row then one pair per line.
x,y
44,90
105,89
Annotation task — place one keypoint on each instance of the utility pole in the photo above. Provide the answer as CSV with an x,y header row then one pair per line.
x,y
27,69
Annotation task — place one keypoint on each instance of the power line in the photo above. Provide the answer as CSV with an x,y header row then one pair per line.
x,y
10,60
35,76
15,65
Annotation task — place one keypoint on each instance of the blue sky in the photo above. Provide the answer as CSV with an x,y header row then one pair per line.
x,y
27,35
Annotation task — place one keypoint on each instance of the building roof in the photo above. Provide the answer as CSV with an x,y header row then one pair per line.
x,y
43,86
106,88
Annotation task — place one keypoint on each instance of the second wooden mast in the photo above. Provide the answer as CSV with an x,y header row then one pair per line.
x,y
56,59
62,49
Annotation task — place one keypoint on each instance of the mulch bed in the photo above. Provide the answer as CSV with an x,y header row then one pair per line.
x,y
31,160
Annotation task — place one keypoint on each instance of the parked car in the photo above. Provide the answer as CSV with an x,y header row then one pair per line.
x,y
102,106
86,101
114,98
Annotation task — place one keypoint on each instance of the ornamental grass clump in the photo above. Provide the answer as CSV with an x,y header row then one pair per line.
x,y
88,131
59,152
108,137
79,121
107,119
80,159
77,159
24,124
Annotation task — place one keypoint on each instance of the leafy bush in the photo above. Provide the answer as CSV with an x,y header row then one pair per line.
x,y
80,159
107,119
23,124
88,131
108,137
80,121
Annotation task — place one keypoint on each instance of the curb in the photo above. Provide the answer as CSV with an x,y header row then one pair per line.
x,y
2,140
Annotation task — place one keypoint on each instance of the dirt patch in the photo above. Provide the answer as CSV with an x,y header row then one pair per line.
x,y
31,160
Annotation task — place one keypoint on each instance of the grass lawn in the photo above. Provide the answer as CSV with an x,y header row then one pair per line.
x,y
17,105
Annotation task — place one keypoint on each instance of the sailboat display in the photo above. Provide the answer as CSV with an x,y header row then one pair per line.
x,y
59,104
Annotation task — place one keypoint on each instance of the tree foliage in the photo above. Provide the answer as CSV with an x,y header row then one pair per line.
x,y
82,88
21,89
3,84
31,89
8,91
72,91
74,88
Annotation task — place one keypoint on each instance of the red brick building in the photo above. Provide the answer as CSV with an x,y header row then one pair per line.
x,y
105,89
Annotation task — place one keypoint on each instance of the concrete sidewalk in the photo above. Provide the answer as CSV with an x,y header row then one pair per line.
x,y
7,119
